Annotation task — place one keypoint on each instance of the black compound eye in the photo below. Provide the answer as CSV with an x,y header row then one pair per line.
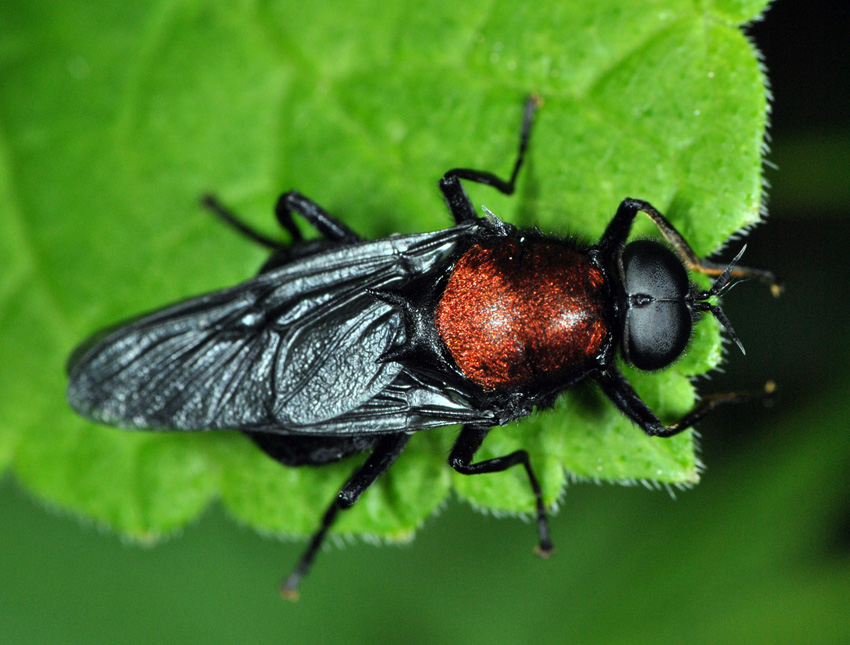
x,y
657,322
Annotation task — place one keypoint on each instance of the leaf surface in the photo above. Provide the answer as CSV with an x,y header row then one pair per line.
x,y
114,119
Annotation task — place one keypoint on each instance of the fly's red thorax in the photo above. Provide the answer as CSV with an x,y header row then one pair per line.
x,y
518,311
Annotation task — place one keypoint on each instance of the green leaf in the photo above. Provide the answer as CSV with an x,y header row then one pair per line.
x,y
116,118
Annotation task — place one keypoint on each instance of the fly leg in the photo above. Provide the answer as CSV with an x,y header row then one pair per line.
x,y
325,223
292,202
618,230
460,458
211,203
458,201
386,451
617,388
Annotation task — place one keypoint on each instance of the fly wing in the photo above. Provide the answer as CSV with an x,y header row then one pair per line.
x,y
290,349
410,403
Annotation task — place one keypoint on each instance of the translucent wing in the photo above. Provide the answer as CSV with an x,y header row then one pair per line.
x,y
290,350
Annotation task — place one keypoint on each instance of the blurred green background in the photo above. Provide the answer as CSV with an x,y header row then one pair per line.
x,y
758,552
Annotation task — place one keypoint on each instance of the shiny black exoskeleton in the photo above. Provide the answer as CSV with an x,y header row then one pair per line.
x,y
341,346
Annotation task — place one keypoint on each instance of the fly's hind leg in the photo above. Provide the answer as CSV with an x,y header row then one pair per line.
x,y
213,205
325,223
288,204
384,455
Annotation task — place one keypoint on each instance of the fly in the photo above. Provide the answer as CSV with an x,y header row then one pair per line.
x,y
343,345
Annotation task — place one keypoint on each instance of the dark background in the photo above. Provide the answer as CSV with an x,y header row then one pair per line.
x,y
757,552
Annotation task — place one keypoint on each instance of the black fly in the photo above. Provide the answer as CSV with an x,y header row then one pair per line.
x,y
342,345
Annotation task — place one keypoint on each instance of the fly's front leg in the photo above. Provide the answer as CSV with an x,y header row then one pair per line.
x,y
384,455
620,391
468,443
458,201
618,230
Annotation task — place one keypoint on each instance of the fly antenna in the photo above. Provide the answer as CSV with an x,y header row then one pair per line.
x,y
721,285
722,319
724,281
